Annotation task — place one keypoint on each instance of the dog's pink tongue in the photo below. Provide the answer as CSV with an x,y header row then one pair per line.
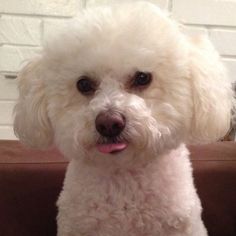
x,y
111,147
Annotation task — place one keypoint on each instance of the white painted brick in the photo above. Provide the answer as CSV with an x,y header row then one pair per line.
x,y
6,109
41,7
160,3
8,88
7,133
52,27
207,12
231,66
12,58
224,41
194,31
18,30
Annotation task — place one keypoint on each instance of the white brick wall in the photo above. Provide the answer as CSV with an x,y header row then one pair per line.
x,y
205,12
224,40
13,57
66,8
20,30
160,3
25,24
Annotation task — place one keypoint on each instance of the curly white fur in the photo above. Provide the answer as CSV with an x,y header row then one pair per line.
x,y
146,189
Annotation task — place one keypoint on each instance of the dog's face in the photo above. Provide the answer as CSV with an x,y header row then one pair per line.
x,y
122,81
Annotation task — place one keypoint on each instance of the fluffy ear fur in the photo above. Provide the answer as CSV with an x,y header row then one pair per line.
x,y
31,124
212,94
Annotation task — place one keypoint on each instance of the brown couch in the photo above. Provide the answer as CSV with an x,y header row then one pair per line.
x,y
30,182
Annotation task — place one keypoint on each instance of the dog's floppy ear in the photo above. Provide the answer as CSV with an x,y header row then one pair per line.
x,y
212,94
31,124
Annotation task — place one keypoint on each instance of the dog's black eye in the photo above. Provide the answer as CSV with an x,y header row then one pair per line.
x,y
85,85
142,79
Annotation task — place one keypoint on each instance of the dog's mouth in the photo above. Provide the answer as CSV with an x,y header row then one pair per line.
x,y
111,145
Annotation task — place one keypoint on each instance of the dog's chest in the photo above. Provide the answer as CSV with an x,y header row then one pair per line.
x,y
129,201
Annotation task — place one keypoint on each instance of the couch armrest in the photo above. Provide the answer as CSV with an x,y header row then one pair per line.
x,y
30,182
214,169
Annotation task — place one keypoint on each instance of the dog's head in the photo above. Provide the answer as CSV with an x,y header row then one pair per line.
x,y
123,80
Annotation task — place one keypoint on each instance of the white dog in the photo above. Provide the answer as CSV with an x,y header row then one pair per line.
x,y
119,93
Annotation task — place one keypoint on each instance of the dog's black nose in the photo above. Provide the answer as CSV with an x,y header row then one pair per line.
x,y
110,124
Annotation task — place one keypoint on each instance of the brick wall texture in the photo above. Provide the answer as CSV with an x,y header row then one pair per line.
x,y
25,24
